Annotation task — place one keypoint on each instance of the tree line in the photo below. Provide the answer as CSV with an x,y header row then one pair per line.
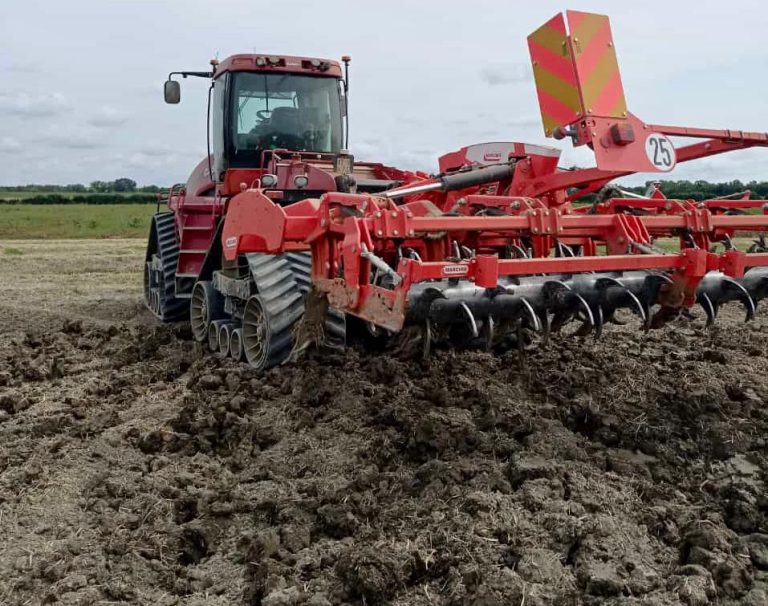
x,y
103,192
704,190
119,191
121,185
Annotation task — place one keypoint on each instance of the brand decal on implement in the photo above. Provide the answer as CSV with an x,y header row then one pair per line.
x,y
455,270
231,242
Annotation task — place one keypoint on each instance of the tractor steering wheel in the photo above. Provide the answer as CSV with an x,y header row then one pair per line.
x,y
263,114
285,141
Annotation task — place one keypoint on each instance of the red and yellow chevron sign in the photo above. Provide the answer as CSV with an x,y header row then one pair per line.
x,y
576,74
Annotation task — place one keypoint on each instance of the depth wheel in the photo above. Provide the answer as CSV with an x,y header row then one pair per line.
x,y
206,306
267,341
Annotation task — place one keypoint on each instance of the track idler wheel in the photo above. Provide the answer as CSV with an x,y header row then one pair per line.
x,y
206,306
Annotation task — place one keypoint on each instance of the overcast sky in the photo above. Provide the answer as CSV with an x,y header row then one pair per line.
x,y
81,92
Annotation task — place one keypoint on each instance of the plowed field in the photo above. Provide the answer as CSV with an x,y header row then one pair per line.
x,y
136,468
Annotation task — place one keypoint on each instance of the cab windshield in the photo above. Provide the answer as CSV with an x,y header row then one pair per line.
x,y
272,111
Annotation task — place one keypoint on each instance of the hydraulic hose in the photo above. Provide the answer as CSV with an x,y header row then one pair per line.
x,y
454,181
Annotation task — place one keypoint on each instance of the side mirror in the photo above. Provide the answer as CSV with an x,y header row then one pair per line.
x,y
172,91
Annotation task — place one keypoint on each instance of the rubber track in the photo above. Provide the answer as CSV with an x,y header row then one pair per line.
x,y
335,327
283,301
172,309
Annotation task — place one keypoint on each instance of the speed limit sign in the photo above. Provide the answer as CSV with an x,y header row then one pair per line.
x,y
660,152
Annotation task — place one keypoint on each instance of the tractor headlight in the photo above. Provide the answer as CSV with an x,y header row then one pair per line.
x,y
300,181
268,180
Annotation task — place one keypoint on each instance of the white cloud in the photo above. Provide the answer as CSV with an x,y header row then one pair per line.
x,y
70,138
526,121
34,106
155,158
9,145
18,66
425,96
108,117
506,73
155,149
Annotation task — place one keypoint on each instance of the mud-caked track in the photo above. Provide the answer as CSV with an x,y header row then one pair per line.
x,y
136,468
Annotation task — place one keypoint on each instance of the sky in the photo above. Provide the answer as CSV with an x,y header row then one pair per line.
x,y
81,80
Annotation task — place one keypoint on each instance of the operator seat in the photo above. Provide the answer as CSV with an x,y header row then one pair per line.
x,y
284,121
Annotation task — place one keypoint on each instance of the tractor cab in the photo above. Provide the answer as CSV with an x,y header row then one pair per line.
x,y
262,103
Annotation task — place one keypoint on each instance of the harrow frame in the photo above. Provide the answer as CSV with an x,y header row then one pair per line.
x,y
497,228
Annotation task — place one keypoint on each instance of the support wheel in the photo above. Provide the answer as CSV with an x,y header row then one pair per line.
x,y
225,331
267,338
206,306
236,344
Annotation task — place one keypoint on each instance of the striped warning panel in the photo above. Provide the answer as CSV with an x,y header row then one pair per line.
x,y
576,75
554,73
597,69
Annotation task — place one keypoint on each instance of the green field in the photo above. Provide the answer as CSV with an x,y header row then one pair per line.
x,y
60,221
22,221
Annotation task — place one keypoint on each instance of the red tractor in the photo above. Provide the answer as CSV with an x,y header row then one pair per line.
x,y
277,123
483,254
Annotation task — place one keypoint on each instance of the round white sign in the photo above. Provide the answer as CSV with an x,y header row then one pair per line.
x,y
660,152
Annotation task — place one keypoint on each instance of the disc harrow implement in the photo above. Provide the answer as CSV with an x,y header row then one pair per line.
x,y
496,244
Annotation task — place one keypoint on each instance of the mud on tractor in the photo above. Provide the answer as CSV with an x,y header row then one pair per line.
x,y
280,223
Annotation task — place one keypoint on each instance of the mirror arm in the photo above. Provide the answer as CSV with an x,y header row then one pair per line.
x,y
195,74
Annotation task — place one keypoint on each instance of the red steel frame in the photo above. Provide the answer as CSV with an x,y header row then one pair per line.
x,y
337,238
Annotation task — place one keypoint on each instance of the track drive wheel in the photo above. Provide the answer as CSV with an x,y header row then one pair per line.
x,y
160,270
206,305
267,339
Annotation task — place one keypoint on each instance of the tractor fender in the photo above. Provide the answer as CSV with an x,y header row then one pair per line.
x,y
253,224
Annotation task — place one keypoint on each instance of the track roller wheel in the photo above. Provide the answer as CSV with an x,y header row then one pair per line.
x,y
267,338
206,305
225,332
236,344
213,334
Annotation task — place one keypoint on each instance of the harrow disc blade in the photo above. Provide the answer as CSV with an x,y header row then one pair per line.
x,y
567,305
756,283
531,315
716,289
586,316
470,319
741,293
615,295
487,333
426,339
599,321
709,308
651,290
637,306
